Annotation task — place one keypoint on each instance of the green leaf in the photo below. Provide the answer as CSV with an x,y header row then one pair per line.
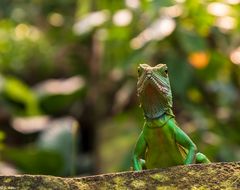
x,y
35,161
16,91
61,137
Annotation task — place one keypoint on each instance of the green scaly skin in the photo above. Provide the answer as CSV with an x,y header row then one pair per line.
x,y
161,143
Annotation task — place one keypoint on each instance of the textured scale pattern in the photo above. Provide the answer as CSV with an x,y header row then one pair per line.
x,y
154,91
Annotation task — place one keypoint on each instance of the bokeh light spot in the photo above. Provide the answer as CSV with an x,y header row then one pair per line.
x,y
89,21
158,30
21,31
172,11
122,17
235,56
132,3
56,19
199,60
218,9
232,2
226,23
34,33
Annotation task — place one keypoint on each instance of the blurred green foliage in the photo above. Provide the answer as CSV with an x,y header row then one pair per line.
x,y
79,59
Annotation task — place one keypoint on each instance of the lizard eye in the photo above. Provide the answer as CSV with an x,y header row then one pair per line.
x,y
139,70
166,71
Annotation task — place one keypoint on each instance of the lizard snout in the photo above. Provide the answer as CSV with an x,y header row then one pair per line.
x,y
149,74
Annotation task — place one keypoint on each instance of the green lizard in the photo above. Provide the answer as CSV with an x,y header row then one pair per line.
x,y
161,143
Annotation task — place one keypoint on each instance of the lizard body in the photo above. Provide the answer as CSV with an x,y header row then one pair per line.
x,y
161,143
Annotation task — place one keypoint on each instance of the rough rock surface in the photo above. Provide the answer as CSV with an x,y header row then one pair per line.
x,y
204,176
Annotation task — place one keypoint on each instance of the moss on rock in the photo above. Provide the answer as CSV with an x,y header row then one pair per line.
x,y
200,176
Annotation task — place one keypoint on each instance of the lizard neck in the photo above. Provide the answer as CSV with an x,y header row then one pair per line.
x,y
167,112
159,122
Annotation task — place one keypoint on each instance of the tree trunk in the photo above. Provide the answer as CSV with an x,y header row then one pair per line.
x,y
199,176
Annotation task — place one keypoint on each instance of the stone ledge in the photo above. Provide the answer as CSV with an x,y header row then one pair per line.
x,y
199,176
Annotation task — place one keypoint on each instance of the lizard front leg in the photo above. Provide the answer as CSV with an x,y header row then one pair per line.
x,y
139,152
182,139
201,158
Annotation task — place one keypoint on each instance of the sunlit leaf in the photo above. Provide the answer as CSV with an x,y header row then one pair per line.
x,y
56,95
16,91
28,125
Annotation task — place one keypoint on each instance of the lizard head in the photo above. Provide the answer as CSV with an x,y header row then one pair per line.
x,y
154,90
